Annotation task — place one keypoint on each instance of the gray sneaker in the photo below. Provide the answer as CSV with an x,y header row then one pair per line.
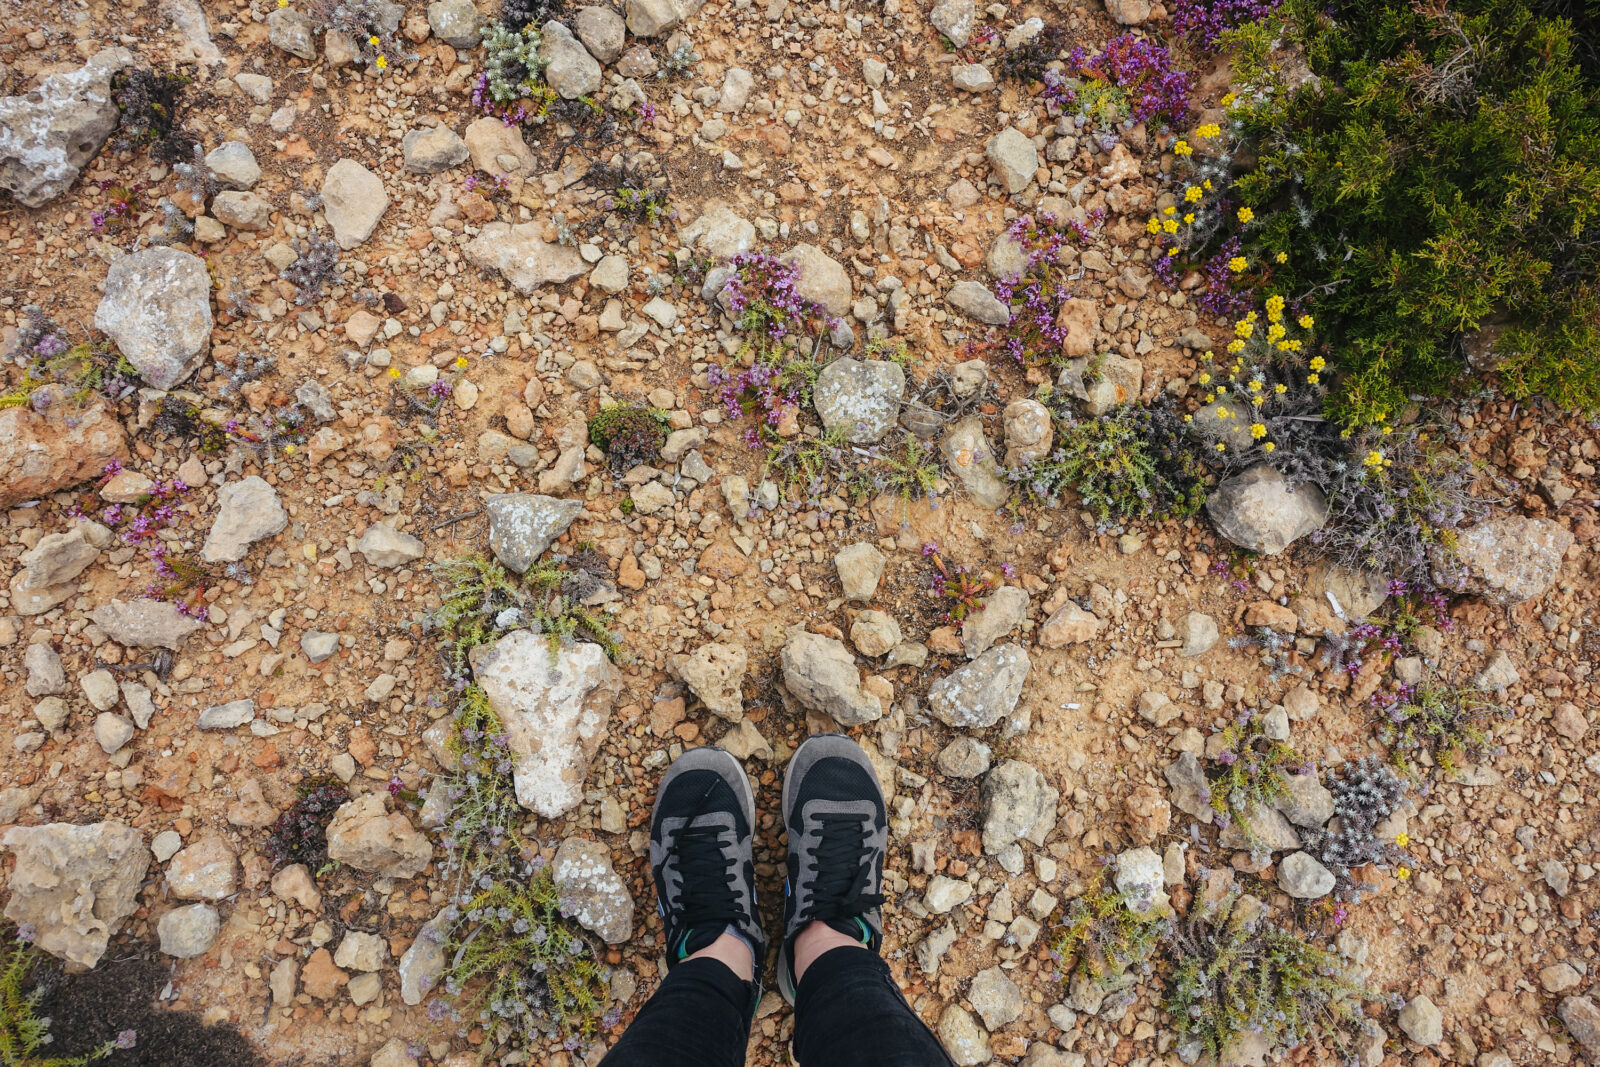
x,y
702,857
838,829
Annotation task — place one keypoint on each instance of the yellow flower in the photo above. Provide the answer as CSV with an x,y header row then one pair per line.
x,y
461,363
382,63
288,450
1205,378
1306,322
1280,388
1374,459
1154,225
1402,839
1207,354
1403,873
1222,390
1269,447
1276,331
1235,345
394,372
1188,418
1206,185
373,40
1387,430
283,3
1258,430
1243,328
1210,129
1237,264
1245,215
1182,149
1275,307
1282,257
1258,400
1169,210
1221,447
1313,378
1193,193
1317,363
1171,225
1255,385
1229,98
1172,251
1188,219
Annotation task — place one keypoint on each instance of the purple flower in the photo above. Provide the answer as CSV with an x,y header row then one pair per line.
x,y
127,1039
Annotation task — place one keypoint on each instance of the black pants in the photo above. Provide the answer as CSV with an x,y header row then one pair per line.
x,y
848,1013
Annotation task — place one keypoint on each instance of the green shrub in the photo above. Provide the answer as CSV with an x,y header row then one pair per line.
x,y
1251,771
1434,724
1441,172
628,435
1103,940
1235,974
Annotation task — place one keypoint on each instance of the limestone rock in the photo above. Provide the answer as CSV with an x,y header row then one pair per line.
x,y
384,546
860,569
234,165
1198,632
365,836
51,133
1421,1021
1302,877
569,68
205,870
956,19
860,398
433,150
1017,803
602,31
719,232
1003,611
293,32
959,1032
1582,1018
651,18
75,884
874,633
965,757
456,22
555,707
57,558
1508,560
983,692
822,280
523,525
1029,432
188,931
498,149
976,302
248,511
42,453
995,997
967,453
157,308
822,676
1258,510
600,900
353,200
426,959
715,673
1013,158
520,254
1069,625
45,674
1191,792
1141,879
144,624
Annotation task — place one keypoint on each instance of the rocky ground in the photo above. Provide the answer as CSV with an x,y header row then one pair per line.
x,y
148,752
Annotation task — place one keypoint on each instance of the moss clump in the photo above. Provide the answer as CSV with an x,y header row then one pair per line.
x,y
629,435
300,834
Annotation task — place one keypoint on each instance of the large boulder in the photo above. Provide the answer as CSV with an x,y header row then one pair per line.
x,y
1507,560
822,675
49,134
74,885
157,308
555,705
983,692
521,254
40,453
369,838
860,398
523,525
1258,509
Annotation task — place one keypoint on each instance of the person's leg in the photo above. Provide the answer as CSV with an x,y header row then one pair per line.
x,y
703,864
848,1010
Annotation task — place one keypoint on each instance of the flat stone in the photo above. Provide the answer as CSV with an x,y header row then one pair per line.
x,y
353,201
234,165
983,692
995,997
1421,1021
365,836
523,525
144,624
821,674
1003,611
204,870
1013,159
1258,510
966,451
75,885
1302,877
49,134
522,256
965,1041
569,69
860,398
247,511
715,674
456,22
228,716
860,568
1507,560
433,150
384,546
598,900
1017,804
188,931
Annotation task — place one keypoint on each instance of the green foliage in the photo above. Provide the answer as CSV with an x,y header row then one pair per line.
x,y
629,435
910,474
1235,974
482,601
1436,724
511,70
23,1034
1102,939
642,205
1133,463
1442,172
1250,771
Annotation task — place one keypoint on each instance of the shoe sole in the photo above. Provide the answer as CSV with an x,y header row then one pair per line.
x,y
812,751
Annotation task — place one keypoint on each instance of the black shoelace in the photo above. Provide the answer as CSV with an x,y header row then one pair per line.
x,y
708,876
843,866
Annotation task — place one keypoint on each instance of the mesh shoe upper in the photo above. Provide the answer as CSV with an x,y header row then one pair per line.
x,y
838,834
